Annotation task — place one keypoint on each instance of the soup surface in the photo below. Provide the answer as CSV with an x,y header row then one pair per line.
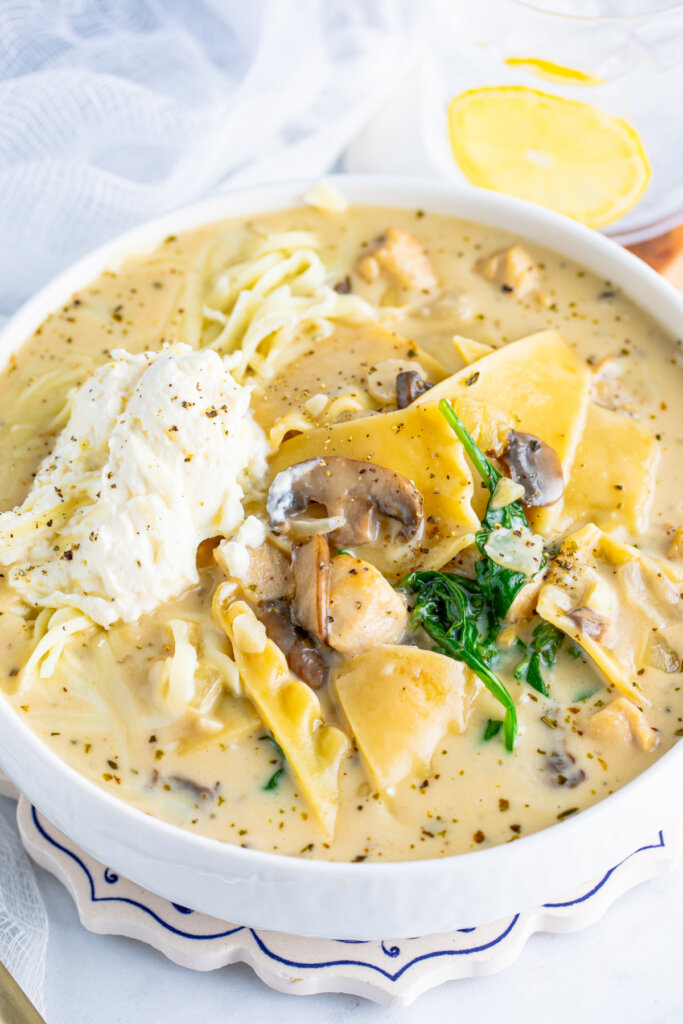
x,y
263,583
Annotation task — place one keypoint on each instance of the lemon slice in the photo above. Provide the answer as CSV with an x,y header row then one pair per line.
x,y
567,155
554,72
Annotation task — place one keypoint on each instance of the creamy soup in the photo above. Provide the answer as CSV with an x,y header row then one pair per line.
x,y
350,534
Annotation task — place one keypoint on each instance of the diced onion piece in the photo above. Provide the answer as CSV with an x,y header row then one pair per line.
x,y
209,726
315,404
308,526
518,550
660,655
506,491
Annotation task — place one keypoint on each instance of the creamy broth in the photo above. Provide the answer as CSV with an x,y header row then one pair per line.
x,y
100,715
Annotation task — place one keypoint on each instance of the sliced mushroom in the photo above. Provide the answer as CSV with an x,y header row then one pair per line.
x,y
311,566
199,791
561,771
196,789
382,378
590,623
302,657
409,386
536,466
360,491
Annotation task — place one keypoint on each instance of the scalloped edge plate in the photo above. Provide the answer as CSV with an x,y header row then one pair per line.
x,y
388,972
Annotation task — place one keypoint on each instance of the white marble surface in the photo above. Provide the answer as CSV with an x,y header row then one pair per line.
x,y
620,970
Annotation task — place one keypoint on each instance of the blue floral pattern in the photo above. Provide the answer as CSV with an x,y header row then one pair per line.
x,y
478,940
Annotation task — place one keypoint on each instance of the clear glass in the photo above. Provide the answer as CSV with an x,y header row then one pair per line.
x,y
631,52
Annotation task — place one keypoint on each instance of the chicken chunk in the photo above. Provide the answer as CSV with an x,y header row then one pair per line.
x,y
622,722
267,576
364,611
513,270
615,386
401,256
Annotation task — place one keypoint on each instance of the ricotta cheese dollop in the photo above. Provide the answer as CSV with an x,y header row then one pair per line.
x,y
154,459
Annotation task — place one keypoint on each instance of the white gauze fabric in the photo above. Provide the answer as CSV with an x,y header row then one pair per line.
x,y
114,111
23,919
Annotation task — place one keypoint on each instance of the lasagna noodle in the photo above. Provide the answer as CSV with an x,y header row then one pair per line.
x,y
289,707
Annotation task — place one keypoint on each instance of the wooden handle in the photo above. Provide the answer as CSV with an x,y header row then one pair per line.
x,y
664,254
15,1006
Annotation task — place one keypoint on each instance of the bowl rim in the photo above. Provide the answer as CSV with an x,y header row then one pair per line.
x,y
578,243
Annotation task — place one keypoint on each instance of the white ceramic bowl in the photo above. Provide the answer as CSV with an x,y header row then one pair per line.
x,y
314,898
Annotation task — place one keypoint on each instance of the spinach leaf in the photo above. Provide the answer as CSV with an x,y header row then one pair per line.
x,y
499,586
448,608
585,694
274,779
493,727
546,640
542,649
484,467
511,516
452,608
271,739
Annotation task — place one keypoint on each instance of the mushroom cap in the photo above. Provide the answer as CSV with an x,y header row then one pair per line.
x,y
358,491
590,623
536,466
311,566
409,385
